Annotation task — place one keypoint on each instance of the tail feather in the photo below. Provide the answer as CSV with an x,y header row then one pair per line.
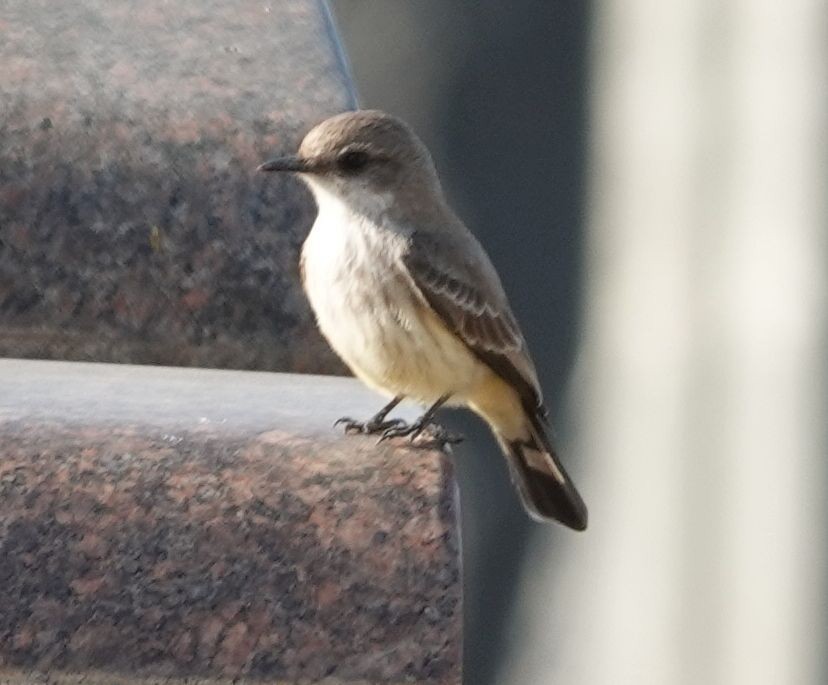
x,y
545,488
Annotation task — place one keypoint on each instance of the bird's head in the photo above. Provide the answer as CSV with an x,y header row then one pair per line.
x,y
362,157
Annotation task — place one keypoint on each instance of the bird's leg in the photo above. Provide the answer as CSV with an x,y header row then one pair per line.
x,y
377,423
424,424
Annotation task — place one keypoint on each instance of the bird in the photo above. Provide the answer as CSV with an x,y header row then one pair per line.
x,y
408,298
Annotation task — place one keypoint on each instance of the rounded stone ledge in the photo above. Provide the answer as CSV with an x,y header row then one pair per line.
x,y
133,225
162,525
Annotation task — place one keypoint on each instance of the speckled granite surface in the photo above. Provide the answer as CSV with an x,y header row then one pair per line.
x,y
158,524
133,227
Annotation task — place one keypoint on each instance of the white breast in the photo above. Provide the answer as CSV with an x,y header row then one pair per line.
x,y
370,312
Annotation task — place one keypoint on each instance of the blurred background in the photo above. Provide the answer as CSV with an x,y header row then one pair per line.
x,y
650,181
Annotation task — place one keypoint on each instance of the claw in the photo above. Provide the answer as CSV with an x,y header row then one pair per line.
x,y
398,432
391,423
351,425
436,434
441,436
369,427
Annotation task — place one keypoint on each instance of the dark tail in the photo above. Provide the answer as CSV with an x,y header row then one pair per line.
x,y
545,488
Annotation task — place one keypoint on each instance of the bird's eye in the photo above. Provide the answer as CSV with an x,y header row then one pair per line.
x,y
353,160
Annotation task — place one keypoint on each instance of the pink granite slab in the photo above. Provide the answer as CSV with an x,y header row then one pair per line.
x,y
133,225
161,524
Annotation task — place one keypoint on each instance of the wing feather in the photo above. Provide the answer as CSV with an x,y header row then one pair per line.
x,y
462,287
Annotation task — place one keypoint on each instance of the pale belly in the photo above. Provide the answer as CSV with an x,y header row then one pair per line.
x,y
381,329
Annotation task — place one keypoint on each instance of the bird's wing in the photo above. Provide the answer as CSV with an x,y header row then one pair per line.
x,y
458,281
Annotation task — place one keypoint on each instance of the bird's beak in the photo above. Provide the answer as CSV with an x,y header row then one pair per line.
x,y
291,163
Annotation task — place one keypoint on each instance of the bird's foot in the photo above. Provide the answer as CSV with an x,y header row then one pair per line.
x,y
370,427
422,433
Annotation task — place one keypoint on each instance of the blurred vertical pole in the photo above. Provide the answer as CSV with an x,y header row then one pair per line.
x,y
701,395
773,317
631,386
